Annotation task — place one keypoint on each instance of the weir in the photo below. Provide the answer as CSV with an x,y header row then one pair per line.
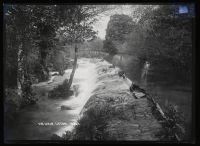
x,y
85,77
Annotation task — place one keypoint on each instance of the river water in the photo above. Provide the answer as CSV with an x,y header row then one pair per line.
x,y
27,125
42,120
160,81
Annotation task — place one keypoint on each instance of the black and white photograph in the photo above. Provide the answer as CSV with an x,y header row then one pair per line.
x,y
98,72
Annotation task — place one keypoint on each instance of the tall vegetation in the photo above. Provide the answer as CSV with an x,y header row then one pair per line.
x,y
165,35
20,32
33,37
79,28
30,32
117,31
157,33
46,23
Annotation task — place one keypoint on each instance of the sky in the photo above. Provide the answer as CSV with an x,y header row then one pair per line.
x,y
101,24
183,9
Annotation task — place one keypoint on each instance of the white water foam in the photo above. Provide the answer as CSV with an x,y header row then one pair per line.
x,y
86,77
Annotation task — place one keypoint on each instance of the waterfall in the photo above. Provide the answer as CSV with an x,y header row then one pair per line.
x,y
85,76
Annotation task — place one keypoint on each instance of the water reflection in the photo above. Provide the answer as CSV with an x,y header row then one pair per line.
x,y
157,80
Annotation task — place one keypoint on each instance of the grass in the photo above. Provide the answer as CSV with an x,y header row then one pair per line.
x,y
173,127
94,123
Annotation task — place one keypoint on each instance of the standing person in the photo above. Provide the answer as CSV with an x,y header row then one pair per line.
x,y
145,72
145,69
147,66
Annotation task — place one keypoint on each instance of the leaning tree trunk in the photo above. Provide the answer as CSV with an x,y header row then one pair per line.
x,y
74,68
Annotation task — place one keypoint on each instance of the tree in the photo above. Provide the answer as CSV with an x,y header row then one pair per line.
x,y
47,23
109,47
78,28
170,30
96,44
10,48
167,37
30,32
19,36
58,61
118,28
135,42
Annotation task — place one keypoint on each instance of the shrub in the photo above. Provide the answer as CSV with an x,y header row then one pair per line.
x,y
173,129
61,91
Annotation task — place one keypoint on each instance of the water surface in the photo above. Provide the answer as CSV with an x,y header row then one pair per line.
x,y
28,124
160,81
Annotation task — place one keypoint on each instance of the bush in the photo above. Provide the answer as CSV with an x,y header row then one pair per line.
x,y
61,91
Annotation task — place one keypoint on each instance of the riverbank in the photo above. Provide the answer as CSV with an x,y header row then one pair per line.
x,y
101,108
162,81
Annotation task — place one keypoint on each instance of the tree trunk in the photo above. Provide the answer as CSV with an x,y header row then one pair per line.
x,y
43,56
23,77
10,73
74,68
20,71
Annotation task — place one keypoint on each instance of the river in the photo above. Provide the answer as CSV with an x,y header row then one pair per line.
x,y
160,81
27,125
42,120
